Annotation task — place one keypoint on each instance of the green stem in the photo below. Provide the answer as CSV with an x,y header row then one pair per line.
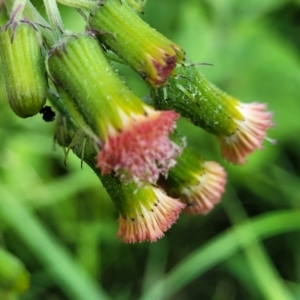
x,y
83,4
54,18
33,15
17,9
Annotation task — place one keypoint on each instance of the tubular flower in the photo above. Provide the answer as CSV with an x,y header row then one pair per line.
x,y
145,212
134,138
249,134
137,148
240,128
148,52
202,196
198,183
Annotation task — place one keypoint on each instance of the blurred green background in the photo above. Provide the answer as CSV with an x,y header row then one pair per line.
x,y
59,221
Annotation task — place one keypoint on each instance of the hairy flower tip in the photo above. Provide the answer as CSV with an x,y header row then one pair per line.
x,y
142,150
249,134
202,196
197,182
149,220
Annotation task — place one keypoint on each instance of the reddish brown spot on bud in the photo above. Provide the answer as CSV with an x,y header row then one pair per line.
x,y
164,71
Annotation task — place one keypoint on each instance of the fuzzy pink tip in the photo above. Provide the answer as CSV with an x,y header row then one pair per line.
x,y
150,224
250,133
143,150
201,198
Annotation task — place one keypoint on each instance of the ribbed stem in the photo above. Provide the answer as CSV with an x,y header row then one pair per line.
x,y
83,4
17,10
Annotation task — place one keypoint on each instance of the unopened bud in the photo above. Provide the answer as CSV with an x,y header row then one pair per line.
x,y
23,68
147,51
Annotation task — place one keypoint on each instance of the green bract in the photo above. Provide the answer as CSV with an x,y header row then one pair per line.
x,y
147,51
23,68
78,66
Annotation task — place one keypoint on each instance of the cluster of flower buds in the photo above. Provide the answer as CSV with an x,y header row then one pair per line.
x,y
144,164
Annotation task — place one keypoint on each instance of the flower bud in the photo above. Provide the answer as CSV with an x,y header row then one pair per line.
x,y
240,128
198,183
23,68
148,52
134,138
145,212
13,275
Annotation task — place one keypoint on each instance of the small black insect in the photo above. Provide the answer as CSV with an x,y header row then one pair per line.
x,y
48,114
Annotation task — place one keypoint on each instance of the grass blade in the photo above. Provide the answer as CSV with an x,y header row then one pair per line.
x,y
222,247
57,261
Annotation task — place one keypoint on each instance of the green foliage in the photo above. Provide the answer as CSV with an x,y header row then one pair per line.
x,y
59,221
13,275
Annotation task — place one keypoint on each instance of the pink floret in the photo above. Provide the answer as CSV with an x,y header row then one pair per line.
x,y
143,150
202,198
250,133
150,224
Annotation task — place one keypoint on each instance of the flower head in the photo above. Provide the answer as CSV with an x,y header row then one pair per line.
x,y
240,128
143,148
133,138
146,213
249,133
148,52
198,183
206,192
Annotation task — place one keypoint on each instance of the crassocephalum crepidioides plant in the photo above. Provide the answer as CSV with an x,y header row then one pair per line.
x,y
145,165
